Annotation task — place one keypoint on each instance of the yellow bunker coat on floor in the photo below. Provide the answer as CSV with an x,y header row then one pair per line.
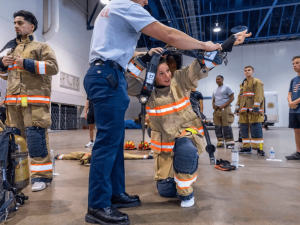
x,y
251,96
170,114
28,95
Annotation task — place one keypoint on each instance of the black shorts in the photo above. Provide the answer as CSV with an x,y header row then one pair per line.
x,y
294,120
90,119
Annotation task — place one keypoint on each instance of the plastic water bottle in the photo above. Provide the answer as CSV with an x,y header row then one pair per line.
x,y
272,153
53,161
235,157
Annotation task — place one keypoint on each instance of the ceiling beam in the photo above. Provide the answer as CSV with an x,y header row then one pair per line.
x,y
266,18
239,10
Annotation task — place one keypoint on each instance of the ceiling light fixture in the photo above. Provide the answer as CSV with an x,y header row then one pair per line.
x,y
217,28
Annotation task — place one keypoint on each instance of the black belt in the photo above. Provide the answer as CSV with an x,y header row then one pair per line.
x,y
109,63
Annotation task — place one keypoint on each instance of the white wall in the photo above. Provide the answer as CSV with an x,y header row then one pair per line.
x,y
71,43
272,64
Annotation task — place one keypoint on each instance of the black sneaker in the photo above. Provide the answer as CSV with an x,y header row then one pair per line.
x,y
220,165
261,152
125,201
294,156
105,216
245,151
227,163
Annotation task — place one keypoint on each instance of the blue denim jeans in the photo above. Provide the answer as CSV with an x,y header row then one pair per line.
x,y
107,90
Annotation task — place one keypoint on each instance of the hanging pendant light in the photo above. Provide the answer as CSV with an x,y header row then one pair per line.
x,y
217,28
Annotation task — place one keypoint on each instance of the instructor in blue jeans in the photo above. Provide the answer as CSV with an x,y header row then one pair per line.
x,y
116,32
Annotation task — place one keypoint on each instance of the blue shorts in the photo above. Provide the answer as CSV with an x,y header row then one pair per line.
x,y
294,120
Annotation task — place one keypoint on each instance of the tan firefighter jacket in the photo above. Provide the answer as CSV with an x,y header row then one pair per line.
x,y
34,86
169,108
251,96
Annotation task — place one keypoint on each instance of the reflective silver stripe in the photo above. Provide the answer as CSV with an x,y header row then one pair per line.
x,y
229,142
61,156
169,108
4,74
257,141
248,94
162,146
185,184
246,109
41,167
10,99
257,103
237,107
134,69
246,141
42,67
37,99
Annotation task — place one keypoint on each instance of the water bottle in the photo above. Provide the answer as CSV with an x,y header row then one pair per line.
x,y
272,153
235,157
52,158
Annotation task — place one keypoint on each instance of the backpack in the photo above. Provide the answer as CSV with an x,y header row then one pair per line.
x,y
9,197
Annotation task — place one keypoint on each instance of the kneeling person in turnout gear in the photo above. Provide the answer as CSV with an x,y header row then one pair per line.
x,y
30,66
223,117
177,136
250,108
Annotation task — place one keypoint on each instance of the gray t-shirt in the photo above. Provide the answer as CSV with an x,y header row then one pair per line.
x,y
117,30
222,95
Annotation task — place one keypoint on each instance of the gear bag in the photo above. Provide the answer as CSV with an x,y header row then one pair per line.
x,y
10,199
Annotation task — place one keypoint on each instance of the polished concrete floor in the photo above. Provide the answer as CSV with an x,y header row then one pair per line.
x,y
260,193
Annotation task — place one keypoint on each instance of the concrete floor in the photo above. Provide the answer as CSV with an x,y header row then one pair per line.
x,y
260,193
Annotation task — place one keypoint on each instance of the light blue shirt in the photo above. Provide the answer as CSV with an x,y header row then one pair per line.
x,y
117,30
222,95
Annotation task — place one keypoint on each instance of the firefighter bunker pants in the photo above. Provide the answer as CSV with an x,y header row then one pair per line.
x,y
31,123
252,124
223,120
175,172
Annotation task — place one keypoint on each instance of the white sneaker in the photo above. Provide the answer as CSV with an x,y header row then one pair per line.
x,y
188,203
230,146
90,144
38,186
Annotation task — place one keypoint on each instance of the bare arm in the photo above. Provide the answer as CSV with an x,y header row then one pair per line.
x,y
177,38
289,98
86,108
201,105
213,105
293,104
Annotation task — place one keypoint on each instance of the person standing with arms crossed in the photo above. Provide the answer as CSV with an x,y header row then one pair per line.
x,y
294,101
115,35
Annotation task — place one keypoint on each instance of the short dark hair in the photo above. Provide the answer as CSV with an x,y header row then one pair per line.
x,y
249,67
221,76
296,57
28,16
